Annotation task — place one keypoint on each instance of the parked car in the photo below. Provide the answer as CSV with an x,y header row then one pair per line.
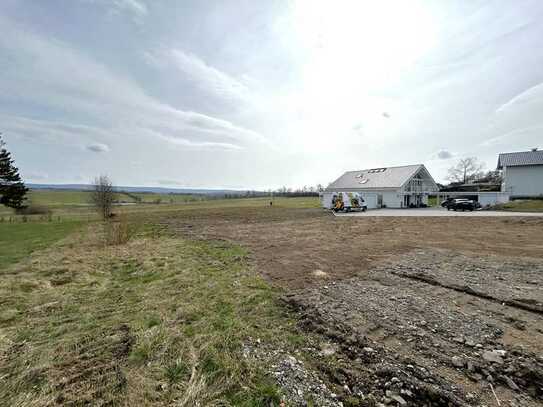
x,y
449,201
461,204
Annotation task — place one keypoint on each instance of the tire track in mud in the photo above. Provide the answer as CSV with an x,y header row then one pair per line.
x,y
421,341
525,305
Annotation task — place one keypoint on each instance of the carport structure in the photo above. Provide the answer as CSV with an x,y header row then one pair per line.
x,y
485,198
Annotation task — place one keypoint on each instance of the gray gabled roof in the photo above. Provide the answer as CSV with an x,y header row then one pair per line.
x,y
534,157
390,177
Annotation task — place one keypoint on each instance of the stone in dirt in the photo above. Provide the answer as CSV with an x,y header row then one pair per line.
x,y
320,273
493,356
512,385
457,361
399,399
327,349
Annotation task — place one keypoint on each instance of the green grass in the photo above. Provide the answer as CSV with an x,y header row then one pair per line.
x,y
432,201
243,203
19,240
60,198
157,321
165,198
533,205
73,205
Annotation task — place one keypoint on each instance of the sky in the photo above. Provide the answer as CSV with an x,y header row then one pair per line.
x,y
264,94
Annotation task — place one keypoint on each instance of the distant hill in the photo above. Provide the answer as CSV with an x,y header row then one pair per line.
x,y
156,190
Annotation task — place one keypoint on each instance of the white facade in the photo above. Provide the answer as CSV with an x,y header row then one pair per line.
x,y
381,199
524,180
370,199
393,187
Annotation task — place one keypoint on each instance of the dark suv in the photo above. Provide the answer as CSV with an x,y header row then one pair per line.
x,y
460,204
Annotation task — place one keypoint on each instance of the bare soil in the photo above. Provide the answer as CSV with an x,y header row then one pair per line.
x,y
416,311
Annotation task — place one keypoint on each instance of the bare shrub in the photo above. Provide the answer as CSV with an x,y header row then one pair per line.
x,y
118,230
102,196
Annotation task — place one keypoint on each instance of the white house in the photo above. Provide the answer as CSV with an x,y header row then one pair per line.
x,y
522,173
391,187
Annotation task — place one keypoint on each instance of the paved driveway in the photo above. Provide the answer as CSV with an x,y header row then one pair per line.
x,y
435,212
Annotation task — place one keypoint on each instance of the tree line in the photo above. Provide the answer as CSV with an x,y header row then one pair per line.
x,y
283,192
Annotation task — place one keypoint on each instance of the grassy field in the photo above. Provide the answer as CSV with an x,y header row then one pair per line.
x,y
158,320
18,241
70,205
184,312
534,205
59,198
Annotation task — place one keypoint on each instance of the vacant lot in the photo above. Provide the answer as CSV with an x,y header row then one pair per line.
x,y
239,303
290,244
433,310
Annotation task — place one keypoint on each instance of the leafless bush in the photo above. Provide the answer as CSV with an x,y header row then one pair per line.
x,y
118,230
102,196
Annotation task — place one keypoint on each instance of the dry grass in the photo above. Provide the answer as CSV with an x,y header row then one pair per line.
x,y
153,321
118,230
532,205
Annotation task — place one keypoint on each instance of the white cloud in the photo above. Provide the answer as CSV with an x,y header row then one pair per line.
x,y
207,78
54,75
136,7
444,155
98,148
35,176
309,76
520,137
532,94
50,131
192,144
169,182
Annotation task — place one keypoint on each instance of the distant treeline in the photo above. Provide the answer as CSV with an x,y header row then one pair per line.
x,y
283,192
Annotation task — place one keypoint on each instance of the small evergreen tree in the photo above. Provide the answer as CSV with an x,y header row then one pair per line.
x,y
12,188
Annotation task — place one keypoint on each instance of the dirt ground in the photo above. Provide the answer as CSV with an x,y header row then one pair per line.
x,y
411,311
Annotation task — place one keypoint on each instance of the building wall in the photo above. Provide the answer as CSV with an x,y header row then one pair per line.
x,y
370,198
492,198
392,199
523,180
326,200
373,199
